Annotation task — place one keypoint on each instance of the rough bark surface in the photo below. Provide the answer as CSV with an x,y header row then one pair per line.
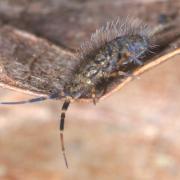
x,y
32,65
131,135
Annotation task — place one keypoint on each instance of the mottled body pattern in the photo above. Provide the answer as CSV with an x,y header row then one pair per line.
x,y
110,50
103,58
107,62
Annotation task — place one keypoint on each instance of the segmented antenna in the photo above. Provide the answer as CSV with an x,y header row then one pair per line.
x,y
62,122
43,98
107,55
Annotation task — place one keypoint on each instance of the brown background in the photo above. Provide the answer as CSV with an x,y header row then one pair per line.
x,y
132,135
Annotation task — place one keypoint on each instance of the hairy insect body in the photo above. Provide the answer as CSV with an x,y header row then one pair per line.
x,y
105,63
111,54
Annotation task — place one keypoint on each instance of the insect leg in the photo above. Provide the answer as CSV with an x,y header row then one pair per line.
x,y
121,73
62,121
118,73
94,95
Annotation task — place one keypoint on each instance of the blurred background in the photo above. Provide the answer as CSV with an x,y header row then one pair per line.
x,y
134,134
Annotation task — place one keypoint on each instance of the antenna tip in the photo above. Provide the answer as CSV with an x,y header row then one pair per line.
x,y
63,149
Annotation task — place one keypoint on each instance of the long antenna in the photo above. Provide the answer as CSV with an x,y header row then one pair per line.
x,y
62,121
43,98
